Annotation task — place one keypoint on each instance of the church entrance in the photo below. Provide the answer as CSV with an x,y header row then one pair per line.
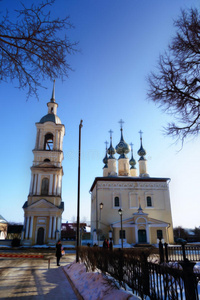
x,y
142,236
40,236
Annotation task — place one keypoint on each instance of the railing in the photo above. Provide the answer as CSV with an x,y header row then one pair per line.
x,y
158,281
179,253
192,253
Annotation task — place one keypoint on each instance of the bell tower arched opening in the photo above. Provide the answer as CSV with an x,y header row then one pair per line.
x,y
48,141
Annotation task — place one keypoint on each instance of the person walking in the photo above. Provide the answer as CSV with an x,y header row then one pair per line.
x,y
58,252
111,244
105,244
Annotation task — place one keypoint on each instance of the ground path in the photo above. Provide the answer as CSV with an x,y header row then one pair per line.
x,y
30,278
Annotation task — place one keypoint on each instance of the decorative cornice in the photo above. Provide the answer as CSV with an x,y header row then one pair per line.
x,y
135,185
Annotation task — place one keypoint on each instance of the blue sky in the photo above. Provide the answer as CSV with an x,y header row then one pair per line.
x,y
120,42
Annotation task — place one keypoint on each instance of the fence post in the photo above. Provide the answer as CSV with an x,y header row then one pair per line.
x,y
189,280
166,252
145,274
161,252
121,265
49,263
183,249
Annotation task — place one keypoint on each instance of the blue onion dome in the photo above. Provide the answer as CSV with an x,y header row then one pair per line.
x,y
132,161
141,152
105,160
122,148
111,150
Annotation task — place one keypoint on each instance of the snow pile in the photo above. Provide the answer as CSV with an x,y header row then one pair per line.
x,y
95,285
197,267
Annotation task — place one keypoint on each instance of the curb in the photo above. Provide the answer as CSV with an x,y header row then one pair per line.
x,y
78,295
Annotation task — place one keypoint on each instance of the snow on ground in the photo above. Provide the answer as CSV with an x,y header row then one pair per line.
x,y
95,285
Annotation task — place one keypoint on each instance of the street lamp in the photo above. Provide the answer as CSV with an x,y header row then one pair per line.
x,y
100,208
120,213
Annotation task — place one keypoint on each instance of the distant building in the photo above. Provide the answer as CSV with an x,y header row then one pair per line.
x,y
144,200
14,231
3,228
44,207
68,230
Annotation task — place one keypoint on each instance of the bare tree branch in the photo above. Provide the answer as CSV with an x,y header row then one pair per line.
x,y
175,86
35,47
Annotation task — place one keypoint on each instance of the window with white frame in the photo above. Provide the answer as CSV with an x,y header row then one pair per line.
x,y
116,201
149,200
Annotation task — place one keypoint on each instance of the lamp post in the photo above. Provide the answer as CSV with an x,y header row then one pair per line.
x,y
120,213
100,208
78,198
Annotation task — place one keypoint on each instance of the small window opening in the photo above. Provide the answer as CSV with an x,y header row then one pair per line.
x,y
149,202
117,201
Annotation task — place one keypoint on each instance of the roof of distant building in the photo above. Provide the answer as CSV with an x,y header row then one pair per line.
x,y
2,220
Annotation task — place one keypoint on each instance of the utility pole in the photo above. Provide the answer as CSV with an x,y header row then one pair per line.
x,y
78,196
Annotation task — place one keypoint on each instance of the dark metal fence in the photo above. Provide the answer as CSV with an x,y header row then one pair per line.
x,y
181,253
158,281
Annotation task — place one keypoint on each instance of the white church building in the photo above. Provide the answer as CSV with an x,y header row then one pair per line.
x,y
44,206
124,204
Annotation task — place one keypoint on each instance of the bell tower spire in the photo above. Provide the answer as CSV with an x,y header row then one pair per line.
x,y
53,92
52,105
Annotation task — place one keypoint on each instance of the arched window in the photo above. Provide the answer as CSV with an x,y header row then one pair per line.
x,y
116,202
149,201
46,160
48,141
45,186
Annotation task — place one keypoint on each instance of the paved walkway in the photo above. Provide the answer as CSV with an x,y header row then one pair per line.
x,y
27,278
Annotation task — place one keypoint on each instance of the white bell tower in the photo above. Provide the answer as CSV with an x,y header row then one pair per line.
x,y
44,207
